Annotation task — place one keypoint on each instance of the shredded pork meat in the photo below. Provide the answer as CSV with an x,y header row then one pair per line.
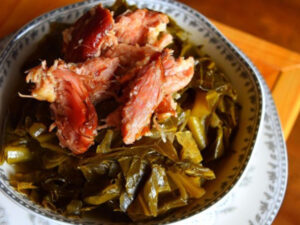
x,y
126,57
74,114
140,27
89,36
144,97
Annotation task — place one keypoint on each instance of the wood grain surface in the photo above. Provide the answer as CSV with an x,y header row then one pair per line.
x,y
279,66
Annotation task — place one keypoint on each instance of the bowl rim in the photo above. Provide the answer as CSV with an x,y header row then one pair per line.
x,y
254,72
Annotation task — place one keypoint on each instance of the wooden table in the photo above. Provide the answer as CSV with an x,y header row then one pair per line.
x,y
280,68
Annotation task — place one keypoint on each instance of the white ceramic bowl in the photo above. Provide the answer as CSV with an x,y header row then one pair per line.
x,y
237,67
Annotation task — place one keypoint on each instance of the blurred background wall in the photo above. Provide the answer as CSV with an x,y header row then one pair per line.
x,y
277,21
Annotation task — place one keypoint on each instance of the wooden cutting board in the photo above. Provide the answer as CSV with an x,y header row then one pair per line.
x,y
280,67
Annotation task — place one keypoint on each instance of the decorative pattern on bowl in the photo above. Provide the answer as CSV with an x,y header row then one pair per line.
x,y
243,75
